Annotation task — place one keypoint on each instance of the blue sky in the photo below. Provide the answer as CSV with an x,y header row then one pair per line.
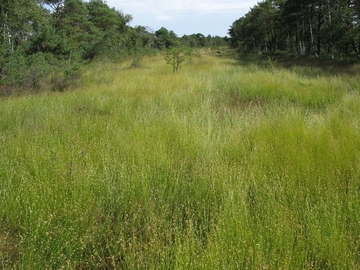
x,y
185,17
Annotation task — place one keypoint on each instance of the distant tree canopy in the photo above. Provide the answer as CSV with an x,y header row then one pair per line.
x,y
38,37
317,27
80,29
199,41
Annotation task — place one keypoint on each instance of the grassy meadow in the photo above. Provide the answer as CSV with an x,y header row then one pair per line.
x,y
222,165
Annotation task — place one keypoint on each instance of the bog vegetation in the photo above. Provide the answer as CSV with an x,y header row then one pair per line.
x,y
232,161
224,164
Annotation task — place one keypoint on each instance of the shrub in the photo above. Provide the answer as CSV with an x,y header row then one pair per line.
x,y
63,80
174,57
32,73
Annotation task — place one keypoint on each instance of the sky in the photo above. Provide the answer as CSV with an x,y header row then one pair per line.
x,y
185,17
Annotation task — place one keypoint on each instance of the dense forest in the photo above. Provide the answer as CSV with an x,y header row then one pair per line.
x,y
44,43
329,28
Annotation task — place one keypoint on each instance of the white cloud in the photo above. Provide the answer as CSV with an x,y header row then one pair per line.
x,y
163,17
178,13
173,7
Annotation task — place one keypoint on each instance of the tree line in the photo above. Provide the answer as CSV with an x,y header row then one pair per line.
x,y
307,27
43,43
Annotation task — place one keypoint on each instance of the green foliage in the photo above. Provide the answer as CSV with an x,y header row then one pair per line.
x,y
39,38
37,72
165,39
14,70
137,58
26,72
303,27
105,18
48,40
175,57
66,78
259,29
200,41
271,63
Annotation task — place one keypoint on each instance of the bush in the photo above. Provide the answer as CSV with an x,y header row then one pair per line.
x,y
137,58
67,78
37,72
174,57
14,70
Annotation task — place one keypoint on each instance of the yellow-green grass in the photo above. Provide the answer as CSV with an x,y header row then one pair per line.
x,y
218,166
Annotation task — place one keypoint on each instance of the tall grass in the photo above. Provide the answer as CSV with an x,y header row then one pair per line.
x,y
219,166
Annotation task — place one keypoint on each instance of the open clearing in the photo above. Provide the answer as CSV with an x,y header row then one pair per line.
x,y
218,166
